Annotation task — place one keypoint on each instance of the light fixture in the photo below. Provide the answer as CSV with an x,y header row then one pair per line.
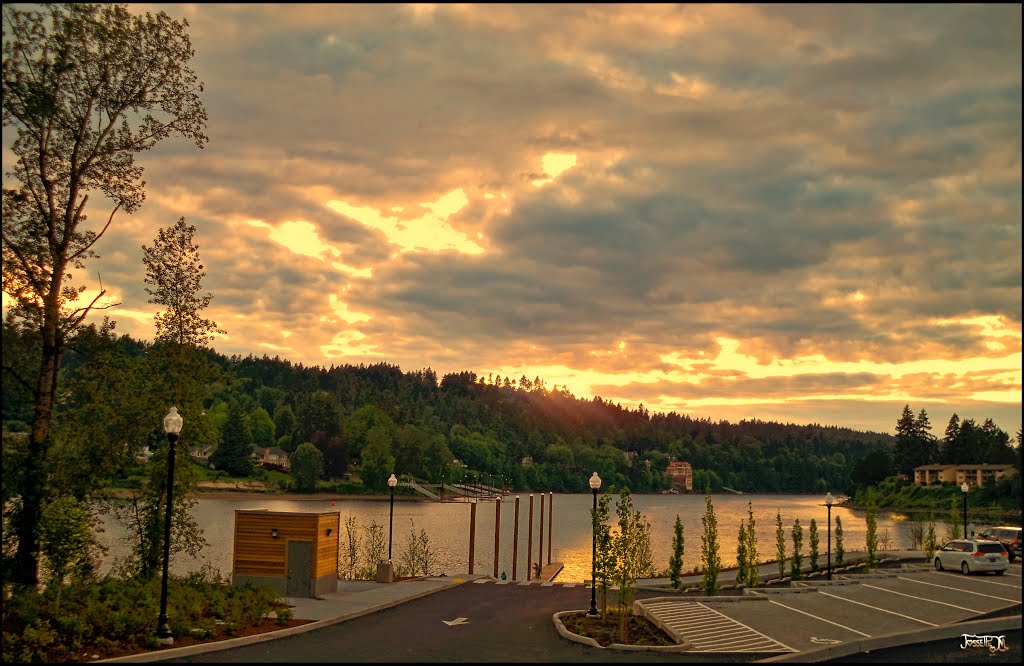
x,y
329,531
963,489
595,485
392,482
273,533
828,503
172,427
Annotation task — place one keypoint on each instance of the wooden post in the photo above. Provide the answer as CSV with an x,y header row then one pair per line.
x,y
515,539
529,543
551,506
472,534
497,532
540,545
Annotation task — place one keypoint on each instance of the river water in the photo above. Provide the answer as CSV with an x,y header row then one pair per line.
x,y
448,528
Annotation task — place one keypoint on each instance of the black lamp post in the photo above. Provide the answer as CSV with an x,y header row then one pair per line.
x,y
595,484
828,503
172,426
963,489
392,482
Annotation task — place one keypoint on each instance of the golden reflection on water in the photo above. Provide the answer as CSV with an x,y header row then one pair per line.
x,y
448,525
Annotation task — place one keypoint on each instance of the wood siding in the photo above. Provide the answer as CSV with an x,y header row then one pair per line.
x,y
257,553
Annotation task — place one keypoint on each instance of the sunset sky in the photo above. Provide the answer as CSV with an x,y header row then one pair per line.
x,y
800,213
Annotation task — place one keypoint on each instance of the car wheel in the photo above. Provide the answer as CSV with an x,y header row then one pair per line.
x,y
1000,572
965,569
938,564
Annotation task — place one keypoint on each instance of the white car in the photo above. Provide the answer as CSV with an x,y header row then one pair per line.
x,y
970,555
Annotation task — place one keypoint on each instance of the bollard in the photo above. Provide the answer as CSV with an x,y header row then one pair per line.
x,y
497,532
529,542
515,539
540,546
472,533
551,506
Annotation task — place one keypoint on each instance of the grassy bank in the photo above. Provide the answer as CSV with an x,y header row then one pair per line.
x,y
998,503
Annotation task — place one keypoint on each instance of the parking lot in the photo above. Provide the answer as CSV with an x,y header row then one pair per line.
x,y
851,607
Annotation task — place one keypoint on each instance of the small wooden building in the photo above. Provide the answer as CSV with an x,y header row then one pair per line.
x,y
293,553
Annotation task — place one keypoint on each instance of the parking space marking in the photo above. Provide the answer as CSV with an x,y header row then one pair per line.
x,y
969,610
960,589
705,629
877,608
820,618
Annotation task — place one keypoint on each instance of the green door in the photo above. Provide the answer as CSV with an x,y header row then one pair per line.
x,y
300,569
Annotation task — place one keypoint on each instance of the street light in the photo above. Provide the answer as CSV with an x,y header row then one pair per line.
x,y
963,489
172,426
392,482
595,484
828,503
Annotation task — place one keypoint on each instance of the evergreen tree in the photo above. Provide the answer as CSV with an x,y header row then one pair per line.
x,y
813,539
234,454
949,439
675,561
796,564
741,554
780,544
711,559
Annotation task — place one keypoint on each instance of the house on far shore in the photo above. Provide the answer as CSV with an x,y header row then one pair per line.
x,y
973,475
681,474
201,454
271,457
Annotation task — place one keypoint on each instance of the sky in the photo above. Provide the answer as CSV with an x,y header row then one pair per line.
x,y
798,213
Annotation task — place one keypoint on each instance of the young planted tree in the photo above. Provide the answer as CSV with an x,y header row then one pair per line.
x,y
86,87
604,565
350,553
711,559
780,544
871,539
741,554
796,564
840,550
813,540
928,542
632,548
753,571
953,524
675,561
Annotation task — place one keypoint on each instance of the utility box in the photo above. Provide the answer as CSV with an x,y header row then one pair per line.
x,y
295,554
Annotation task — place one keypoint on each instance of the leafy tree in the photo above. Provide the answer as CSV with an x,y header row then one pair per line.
x,y
870,519
632,548
796,564
378,463
840,551
307,467
953,522
780,544
86,87
711,559
871,468
753,571
604,566
929,539
234,455
675,561
262,428
64,537
741,554
813,539
284,423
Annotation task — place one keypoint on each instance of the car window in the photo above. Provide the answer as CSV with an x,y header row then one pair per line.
x,y
990,547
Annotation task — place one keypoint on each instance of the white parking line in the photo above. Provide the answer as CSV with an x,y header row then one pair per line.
x,y
877,608
768,638
958,589
969,610
820,618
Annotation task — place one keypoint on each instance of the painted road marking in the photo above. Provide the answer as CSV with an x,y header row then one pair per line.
x,y
969,610
457,621
568,584
959,589
877,608
705,629
820,618
478,581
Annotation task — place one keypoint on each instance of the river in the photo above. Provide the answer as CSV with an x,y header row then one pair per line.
x,y
448,526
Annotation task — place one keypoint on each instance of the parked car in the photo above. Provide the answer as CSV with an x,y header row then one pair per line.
x,y
1009,536
970,555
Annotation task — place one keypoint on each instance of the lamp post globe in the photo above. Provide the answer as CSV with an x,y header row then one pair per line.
x,y
392,482
595,485
963,489
828,502
172,428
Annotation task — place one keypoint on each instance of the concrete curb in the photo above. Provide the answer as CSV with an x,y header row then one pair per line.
x,y
950,632
204,648
590,642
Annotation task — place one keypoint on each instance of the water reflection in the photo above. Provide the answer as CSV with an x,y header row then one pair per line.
x,y
447,525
